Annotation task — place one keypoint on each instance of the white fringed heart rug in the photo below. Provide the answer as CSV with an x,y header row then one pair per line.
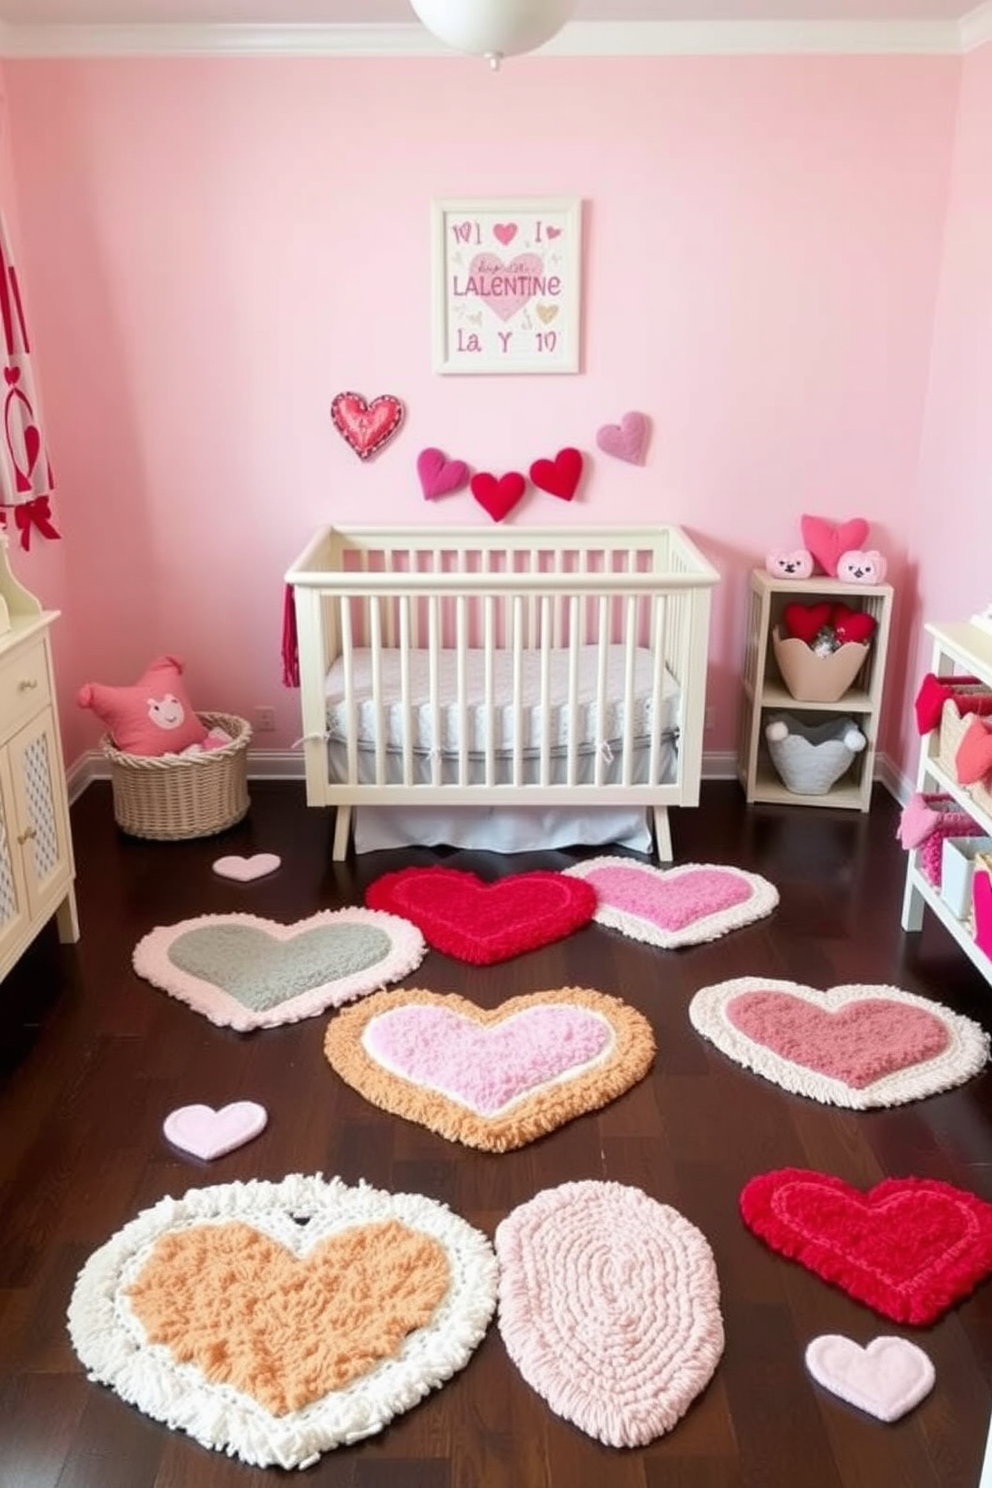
x,y
673,907
274,1321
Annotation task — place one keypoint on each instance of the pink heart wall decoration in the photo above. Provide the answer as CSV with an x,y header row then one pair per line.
x,y
828,540
627,440
440,476
366,427
206,1133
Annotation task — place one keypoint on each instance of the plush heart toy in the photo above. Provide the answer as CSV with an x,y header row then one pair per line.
x,y
627,440
856,567
852,625
795,563
366,427
560,476
828,540
804,622
974,757
499,496
438,475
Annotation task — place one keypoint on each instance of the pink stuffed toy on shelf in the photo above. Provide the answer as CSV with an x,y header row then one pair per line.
x,y
832,548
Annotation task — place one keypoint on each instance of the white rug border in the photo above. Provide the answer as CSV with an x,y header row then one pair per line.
x,y
110,1343
764,898
965,1056
150,959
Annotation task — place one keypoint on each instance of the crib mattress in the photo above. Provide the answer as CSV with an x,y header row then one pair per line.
x,y
440,730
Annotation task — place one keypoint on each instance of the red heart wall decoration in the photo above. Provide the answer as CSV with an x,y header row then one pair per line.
x,y
804,622
828,540
560,476
974,757
366,427
499,496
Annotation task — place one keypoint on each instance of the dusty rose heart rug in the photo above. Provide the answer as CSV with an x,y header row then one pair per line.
x,y
273,1321
472,920
207,1133
886,1378
491,1079
671,907
855,1046
609,1305
909,1247
246,972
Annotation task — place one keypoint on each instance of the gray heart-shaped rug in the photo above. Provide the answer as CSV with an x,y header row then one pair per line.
x,y
246,972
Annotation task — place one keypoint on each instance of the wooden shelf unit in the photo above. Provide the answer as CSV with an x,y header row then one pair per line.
x,y
764,693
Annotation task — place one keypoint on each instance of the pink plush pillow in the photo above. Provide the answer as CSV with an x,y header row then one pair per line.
x,y
153,717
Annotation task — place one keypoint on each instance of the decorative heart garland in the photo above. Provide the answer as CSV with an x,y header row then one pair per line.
x,y
671,907
206,1133
498,495
627,440
560,476
909,1247
244,972
886,1378
609,1305
466,917
855,1046
274,1321
366,427
438,475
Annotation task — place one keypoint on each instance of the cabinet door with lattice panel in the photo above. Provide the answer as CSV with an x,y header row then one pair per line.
x,y
13,894
42,836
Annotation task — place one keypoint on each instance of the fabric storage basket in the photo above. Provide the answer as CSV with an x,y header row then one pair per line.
x,y
811,758
195,795
953,727
817,679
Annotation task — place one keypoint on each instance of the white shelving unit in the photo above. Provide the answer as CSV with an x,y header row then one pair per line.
x,y
764,693
967,650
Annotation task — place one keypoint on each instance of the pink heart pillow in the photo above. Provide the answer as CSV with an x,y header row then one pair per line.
x,y
974,757
151,718
827,541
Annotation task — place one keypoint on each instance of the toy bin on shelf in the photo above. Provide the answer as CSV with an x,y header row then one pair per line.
x,y
957,870
170,798
817,679
811,758
954,724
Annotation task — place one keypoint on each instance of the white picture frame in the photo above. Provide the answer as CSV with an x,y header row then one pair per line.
x,y
507,285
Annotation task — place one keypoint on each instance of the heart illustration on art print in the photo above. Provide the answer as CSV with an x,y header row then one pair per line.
x,y
671,907
886,1378
504,232
627,440
827,541
498,495
438,475
855,1046
366,427
506,287
497,1078
909,1247
208,1133
560,476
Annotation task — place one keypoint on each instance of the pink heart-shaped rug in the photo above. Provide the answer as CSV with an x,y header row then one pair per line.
x,y
853,1046
886,1378
909,1247
439,476
828,540
493,1079
609,1305
672,907
627,440
246,870
207,1133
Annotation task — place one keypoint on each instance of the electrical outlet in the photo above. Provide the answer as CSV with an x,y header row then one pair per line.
x,y
265,719
709,723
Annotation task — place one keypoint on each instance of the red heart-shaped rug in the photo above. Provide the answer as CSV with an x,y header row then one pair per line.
x,y
804,622
560,476
909,1247
465,917
498,497
366,427
852,625
974,757
828,540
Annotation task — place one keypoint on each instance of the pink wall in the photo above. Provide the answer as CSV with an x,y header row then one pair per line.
x,y
216,247
951,516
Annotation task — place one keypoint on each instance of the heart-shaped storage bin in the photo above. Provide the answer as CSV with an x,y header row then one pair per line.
x,y
812,757
817,679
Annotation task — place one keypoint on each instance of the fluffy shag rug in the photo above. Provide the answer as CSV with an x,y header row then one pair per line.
x,y
609,1305
491,1079
246,972
672,907
274,1321
909,1247
479,922
886,1378
859,1046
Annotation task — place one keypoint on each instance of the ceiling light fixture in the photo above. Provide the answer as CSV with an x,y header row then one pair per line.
x,y
494,29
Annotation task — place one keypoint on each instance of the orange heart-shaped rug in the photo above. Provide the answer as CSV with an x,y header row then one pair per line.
x,y
273,1321
494,1079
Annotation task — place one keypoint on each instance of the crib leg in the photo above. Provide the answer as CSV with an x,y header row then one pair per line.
x,y
342,829
662,834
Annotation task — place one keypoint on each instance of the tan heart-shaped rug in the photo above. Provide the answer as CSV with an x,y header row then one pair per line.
x,y
247,972
494,1079
273,1321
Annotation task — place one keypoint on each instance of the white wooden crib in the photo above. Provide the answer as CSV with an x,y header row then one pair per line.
x,y
546,667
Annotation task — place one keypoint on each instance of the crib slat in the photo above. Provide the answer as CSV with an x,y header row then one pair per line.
x,y
460,665
348,658
488,641
434,686
546,609
406,714
378,709
573,687
629,661
517,621
602,657
657,682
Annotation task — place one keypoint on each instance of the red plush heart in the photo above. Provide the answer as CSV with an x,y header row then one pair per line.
x,y
852,625
465,917
366,426
828,540
934,693
909,1247
498,497
804,622
973,760
559,476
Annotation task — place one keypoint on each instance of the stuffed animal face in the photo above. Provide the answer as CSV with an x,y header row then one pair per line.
x,y
786,564
858,567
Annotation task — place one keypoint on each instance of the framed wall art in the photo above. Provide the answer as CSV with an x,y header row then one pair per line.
x,y
507,285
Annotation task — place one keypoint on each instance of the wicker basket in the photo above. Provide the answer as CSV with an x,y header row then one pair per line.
x,y
953,727
194,795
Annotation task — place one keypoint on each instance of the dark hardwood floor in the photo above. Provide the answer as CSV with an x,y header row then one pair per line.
x,y
94,1058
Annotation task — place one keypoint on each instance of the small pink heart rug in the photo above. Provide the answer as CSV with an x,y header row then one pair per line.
x,y
246,870
609,1305
206,1133
854,1046
671,907
886,1378
491,1079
